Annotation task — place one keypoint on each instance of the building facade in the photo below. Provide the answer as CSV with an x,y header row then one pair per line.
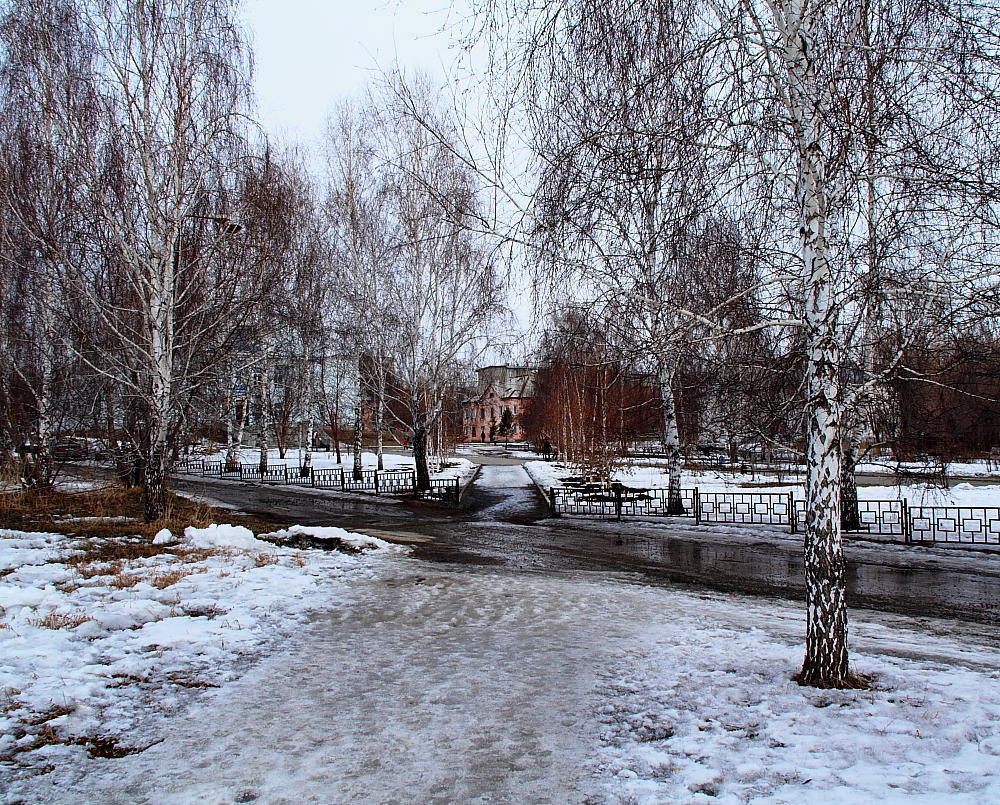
x,y
502,393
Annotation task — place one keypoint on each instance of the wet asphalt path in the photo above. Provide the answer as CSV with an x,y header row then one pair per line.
x,y
505,522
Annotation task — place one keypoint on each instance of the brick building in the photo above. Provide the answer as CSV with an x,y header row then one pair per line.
x,y
499,388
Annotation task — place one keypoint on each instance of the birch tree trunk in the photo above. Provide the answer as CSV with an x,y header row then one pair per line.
x,y
265,411
826,659
236,427
358,434
379,419
671,440
419,440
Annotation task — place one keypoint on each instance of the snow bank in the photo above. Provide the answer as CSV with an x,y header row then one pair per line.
x,y
91,648
224,536
164,537
706,709
352,539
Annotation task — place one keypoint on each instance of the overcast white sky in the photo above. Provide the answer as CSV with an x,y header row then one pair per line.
x,y
312,52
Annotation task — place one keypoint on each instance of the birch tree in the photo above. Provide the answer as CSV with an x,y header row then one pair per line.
x,y
172,292
444,287
47,102
787,83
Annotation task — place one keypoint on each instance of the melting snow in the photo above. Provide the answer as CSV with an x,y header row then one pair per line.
x,y
391,679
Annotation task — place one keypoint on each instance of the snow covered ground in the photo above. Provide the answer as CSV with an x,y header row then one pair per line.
x,y
651,474
88,647
415,682
456,467
975,469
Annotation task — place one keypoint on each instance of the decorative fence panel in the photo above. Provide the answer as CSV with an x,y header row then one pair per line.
x,y
619,501
637,502
231,471
767,508
395,482
300,476
885,517
366,483
968,524
328,478
191,466
593,500
272,474
445,490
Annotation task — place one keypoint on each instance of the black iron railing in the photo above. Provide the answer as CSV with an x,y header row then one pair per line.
x,y
892,519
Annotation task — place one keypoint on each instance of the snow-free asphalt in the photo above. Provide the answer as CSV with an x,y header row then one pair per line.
x,y
504,522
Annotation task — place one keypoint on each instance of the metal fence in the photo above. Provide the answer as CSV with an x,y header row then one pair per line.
x,y
388,482
396,482
191,466
271,474
894,520
965,524
443,490
368,482
766,508
617,500
886,518
328,478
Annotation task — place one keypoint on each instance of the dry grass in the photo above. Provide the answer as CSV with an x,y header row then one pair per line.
x,y
111,511
124,580
60,620
264,559
168,577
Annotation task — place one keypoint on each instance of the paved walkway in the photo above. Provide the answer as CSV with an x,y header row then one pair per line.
x,y
432,685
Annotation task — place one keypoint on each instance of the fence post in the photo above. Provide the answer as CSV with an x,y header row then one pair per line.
x,y
904,520
697,506
376,482
552,501
792,516
312,477
617,489
342,478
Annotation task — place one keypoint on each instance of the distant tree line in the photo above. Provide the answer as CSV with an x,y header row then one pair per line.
x,y
168,273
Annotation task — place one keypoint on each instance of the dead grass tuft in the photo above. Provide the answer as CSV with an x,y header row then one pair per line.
x,y
124,580
60,620
168,577
264,559
198,554
37,719
184,680
121,680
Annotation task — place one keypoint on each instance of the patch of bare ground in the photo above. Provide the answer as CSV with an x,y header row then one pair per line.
x,y
111,511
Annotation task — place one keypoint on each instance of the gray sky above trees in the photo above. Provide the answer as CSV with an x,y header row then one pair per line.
x,y
312,52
